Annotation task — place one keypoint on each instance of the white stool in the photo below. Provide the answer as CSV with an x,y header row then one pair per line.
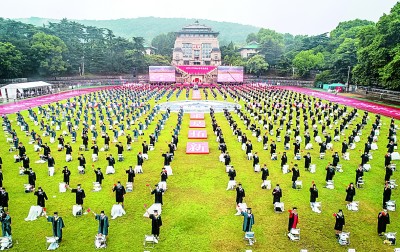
x,y
96,186
138,169
62,187
231,185
129,186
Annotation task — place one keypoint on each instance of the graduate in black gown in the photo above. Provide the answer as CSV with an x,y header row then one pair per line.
x,y
387,193
339,223
99,175
350,193
41,197
307,161
80,195
158,193
119,193
264,175
383,220
156,223
4,198
66,175
277,194
131,174
240,194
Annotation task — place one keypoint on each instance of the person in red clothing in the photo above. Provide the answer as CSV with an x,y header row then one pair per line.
x,y
293,219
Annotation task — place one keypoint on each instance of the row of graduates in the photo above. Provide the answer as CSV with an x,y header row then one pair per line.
x,y
332,166
350,191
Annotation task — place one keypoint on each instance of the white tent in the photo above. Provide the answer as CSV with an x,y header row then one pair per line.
x,y
11,91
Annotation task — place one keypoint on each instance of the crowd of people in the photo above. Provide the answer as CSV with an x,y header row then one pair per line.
x,y
98,121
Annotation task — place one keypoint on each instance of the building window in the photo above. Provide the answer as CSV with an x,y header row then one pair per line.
x,y
206,51
207,62
186,62
187,50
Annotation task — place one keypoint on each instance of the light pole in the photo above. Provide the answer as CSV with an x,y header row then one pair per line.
x,y
348,77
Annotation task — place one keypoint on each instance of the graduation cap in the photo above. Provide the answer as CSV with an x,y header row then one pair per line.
x,y
99,168
79,184
55,213
340,210
156,185
65,167
249,208
102,212
156,211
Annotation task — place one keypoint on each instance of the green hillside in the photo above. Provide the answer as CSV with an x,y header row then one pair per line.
x,y
149,27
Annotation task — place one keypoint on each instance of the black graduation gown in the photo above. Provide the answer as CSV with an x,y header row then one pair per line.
x,y
277,195
227,159
167,159
4,199
339,223
164,177
264,173
156,223
307,161
295,174
232,174
240,194
313,195
41,197
335,160
383,220
99,176
25,162
80,195
387,193
139,160
119,193
111,161
330,172
388,174
350,193
1,179
67,174
388,159
32,178
131,175
158,195
256,160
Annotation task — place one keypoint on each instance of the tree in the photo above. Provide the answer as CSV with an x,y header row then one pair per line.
x,y
136,55
251,37
257,65
272,45
164,44
157,60
11,62
48,51
306,61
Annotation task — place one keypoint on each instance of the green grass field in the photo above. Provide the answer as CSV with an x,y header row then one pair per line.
x,y
198,213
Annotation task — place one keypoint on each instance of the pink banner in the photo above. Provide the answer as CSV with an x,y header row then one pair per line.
x,y
197,148
197,124
200,70
197,134
196,116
